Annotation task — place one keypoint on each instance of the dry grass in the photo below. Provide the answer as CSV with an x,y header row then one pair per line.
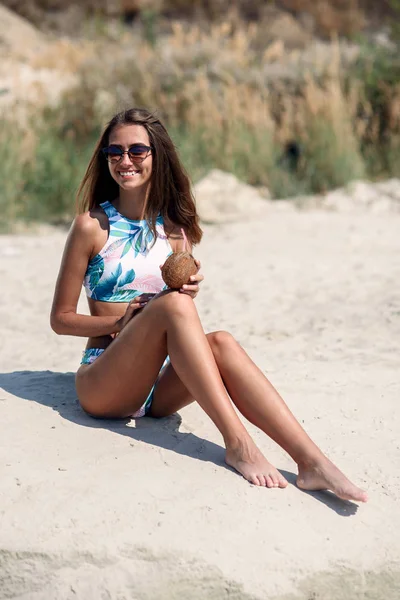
x,y
62,55
224,108
332,17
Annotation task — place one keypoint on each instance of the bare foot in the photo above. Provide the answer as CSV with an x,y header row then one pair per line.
x,y
252,464
325,476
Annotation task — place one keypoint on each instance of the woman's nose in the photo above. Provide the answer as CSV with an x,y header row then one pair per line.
x,y
125,160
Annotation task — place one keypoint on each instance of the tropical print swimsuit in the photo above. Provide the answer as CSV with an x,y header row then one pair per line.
x,y
129,263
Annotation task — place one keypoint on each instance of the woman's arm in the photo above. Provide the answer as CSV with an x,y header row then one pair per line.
x,y
79,247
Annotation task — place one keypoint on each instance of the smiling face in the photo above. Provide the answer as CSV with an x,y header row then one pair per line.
x,y
130,174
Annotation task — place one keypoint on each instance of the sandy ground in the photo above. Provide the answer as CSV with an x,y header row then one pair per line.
x,y
146,510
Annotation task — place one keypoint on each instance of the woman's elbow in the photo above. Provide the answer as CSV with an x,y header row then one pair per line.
x,y
56,324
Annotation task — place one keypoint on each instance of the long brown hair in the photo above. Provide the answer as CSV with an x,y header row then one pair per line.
x,y
170,191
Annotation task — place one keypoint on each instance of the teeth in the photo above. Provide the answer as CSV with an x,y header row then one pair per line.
x,y
129,173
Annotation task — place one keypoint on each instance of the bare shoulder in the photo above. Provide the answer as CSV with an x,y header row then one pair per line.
x,y
89,231
91,221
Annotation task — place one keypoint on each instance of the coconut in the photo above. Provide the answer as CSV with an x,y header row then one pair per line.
x,y
177,269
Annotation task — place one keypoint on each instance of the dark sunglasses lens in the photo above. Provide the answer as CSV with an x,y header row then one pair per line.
x,y
138,151
113,153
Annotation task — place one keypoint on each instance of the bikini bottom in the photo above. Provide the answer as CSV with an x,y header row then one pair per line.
x,y
90,355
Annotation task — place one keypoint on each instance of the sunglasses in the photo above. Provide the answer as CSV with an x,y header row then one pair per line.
x,y
136,152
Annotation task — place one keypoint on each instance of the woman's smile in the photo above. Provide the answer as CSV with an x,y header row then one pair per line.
x,y
128,173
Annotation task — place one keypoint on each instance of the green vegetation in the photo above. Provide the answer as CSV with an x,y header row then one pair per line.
x,y
222,112
11,175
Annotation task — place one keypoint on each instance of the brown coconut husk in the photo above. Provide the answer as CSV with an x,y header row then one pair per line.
x,y
177,269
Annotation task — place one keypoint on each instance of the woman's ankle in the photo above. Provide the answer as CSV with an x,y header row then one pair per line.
x,y
239,442
308,462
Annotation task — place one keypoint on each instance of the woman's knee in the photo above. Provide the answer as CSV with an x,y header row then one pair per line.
x,y
221,341
175,303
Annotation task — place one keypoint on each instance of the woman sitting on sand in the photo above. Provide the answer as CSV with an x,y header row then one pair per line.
x,y
147,353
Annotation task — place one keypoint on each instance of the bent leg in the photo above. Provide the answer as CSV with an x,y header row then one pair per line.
x,y
261,404
117,383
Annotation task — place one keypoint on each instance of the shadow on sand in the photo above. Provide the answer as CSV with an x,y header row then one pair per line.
x,y
57,391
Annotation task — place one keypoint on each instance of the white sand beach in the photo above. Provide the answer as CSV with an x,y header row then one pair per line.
x,y
147,509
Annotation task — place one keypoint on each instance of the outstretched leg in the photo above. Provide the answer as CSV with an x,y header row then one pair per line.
x,y
261,404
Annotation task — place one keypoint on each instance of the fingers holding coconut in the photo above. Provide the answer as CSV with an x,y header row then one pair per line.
x,y
192,287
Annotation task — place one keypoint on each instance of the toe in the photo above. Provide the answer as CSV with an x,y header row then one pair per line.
x,y
282,481
262,480
275,478
269,481
254,480
361,495
358,496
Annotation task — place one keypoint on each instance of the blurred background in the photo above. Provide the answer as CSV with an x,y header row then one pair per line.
x,y
293,96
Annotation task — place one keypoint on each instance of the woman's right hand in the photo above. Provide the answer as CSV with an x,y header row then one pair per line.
x,y
133,307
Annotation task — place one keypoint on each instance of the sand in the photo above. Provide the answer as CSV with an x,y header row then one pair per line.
x,y
147,510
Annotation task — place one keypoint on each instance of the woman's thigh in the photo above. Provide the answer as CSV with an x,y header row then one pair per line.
x,y
119,381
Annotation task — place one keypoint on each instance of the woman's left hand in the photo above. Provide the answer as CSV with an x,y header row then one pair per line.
x,y
192,288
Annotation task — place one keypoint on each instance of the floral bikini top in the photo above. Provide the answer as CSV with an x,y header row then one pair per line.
x,y
129,262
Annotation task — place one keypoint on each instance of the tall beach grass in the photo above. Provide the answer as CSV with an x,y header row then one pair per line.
x,y
215,92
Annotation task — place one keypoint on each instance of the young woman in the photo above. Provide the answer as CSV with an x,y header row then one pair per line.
x,y
147,353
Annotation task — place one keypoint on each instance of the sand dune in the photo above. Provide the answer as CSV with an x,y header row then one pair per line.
x,y
100,509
